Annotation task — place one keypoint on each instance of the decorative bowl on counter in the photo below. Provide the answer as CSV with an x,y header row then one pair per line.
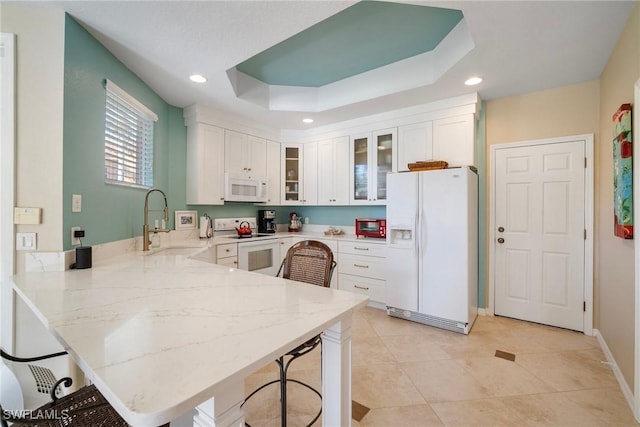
x,y
333,231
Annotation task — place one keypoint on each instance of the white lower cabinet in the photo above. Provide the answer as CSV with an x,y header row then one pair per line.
x,y
227,254
360,268
285,244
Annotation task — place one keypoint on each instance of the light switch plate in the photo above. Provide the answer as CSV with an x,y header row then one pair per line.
x,y
27,215
76,203
25,241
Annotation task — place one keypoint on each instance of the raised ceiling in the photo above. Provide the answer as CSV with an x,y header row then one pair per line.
x,y
363,37
517,46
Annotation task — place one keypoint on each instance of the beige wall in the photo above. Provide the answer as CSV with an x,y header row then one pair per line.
x,y
39,119
570,110
39,114
566,111
587,108
615,256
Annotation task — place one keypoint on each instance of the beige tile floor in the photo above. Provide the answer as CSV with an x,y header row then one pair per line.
x,y
415,375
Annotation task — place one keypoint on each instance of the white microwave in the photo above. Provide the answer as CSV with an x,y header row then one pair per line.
x,y
243,188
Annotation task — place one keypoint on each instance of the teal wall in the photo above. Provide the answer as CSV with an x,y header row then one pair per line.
x,y
324,215
111,212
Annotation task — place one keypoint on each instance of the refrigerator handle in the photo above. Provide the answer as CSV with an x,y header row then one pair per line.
x,y
418,231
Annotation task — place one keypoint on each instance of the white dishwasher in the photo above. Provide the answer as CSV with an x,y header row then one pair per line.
x,y
260,256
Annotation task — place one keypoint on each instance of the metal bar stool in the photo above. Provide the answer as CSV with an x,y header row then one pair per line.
x,y
311,262
86,407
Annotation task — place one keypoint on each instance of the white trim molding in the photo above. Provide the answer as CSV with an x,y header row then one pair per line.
x,y
624,387
7,184
636,214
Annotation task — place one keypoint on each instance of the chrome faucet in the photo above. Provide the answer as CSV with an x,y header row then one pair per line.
x,y
145,229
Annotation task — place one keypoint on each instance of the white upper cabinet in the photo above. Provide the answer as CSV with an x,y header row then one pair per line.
x,y
205,161
245,154
415,143
310,173
299,174
273,173
454,140
372,155
333,171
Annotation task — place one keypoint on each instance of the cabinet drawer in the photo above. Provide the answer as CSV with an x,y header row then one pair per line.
x,y
229,262
373,288
364,248
359,265
226,250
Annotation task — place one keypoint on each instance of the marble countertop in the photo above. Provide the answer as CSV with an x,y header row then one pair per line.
x,y
161,333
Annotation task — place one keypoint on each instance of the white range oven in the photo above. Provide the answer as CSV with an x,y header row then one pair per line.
x,y
259,255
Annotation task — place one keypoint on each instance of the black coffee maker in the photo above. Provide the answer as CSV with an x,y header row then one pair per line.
x,y
266,221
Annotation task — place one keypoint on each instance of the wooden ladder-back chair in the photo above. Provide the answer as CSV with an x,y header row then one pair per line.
x,y
311,262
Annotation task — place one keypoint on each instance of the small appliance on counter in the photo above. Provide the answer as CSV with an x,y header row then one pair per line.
x,y
294,222
266,221
244,230
367,227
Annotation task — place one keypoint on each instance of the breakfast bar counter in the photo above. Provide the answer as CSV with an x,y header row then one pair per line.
x,y
162,334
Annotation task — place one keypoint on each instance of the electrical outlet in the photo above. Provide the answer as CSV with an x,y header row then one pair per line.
x,y
74,240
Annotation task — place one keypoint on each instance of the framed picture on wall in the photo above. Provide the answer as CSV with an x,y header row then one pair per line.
x,y
622,173
186,220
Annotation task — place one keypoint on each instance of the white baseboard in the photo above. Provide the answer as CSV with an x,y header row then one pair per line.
x,y
484,312
624,387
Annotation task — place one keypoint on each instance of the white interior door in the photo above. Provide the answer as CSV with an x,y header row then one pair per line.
x,y
540,233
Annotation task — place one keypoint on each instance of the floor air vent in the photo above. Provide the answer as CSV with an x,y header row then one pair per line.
x,y
426,319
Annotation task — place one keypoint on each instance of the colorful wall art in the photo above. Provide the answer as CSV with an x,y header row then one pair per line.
x,y
623,173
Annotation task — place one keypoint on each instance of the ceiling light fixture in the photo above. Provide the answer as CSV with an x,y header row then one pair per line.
x,y
197,78
473,81
307,120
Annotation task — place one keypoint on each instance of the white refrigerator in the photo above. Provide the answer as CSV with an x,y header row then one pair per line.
x,y
432,247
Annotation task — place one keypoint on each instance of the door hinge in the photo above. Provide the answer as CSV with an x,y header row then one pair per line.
x,y
584,306
585,234
585,162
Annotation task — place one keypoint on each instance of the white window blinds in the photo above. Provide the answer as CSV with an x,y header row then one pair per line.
x,y
128,140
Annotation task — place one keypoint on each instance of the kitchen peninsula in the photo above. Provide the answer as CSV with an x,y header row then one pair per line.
x,y
162,334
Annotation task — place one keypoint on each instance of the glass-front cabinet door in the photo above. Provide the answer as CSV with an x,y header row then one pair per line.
x,y
373,157
386,152
361,153
291,170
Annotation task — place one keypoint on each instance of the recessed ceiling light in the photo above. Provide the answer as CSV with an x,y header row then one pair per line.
x,y
197,78
307,120
473,81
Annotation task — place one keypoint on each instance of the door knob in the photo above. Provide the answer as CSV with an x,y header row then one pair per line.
x,y
500,240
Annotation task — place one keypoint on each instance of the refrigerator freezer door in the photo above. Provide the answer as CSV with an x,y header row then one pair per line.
x,y
449,244
402,272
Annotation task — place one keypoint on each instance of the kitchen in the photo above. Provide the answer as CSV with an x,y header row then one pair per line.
x,y
101,225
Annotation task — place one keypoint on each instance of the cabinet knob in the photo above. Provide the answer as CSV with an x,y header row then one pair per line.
x,y
500,240
500,229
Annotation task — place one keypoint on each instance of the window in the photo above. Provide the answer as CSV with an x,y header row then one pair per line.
x,y
128,140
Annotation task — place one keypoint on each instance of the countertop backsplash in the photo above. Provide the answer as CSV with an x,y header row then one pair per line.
x,y
60,261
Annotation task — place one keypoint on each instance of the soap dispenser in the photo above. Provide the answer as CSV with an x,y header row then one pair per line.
x,y
155,240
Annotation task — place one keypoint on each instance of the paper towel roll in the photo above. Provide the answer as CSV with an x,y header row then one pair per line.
x,y
204,227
